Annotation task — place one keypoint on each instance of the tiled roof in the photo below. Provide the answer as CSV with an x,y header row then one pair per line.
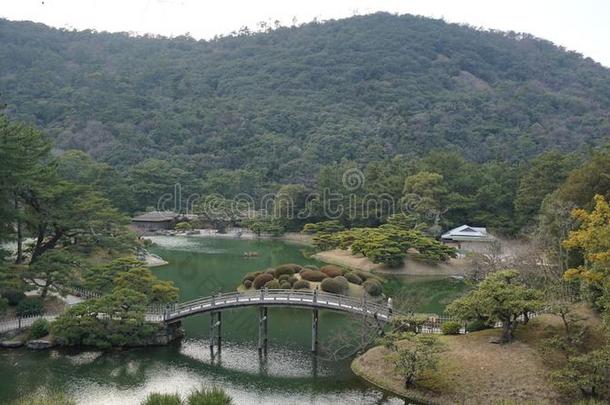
x,y
155,216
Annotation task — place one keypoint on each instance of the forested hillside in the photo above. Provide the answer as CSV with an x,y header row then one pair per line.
x,y
283,103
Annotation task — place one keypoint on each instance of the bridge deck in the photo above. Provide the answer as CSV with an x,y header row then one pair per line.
x,y
266,298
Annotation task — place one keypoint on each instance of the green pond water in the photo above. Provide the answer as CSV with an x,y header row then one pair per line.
x,y
289,374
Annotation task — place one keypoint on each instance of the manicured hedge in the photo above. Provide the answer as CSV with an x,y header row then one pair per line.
x,y
332,270
261,280
451,328
251,276
311,267
372,287
353,278
301,285
337,285
313,275
273,285
284,277
289,269
247,284
364,275
285,285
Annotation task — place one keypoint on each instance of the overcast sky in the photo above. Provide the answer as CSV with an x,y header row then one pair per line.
x,y
580,25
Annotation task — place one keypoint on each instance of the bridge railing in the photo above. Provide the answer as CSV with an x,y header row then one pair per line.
x,y
272,297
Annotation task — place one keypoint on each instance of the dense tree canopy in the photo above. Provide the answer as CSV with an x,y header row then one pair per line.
x,y
284,102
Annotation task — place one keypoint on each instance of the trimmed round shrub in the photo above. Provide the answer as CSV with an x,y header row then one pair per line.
x,y
372,287
337,285
332,270
273,285
270,271
252,275
292,280
288,269
284,277
285,285
313,275
301,285
353,278
30,306
248,284
40,328
364,275
154,398
261,280
451,328
311,267
477,325
13,296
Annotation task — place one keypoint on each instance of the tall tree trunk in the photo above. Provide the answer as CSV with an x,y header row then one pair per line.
x,y
507,331
42,246
45,288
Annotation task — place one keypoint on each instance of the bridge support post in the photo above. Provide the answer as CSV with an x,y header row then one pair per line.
x,y
314,331
215,331
219,323
212,333
262,330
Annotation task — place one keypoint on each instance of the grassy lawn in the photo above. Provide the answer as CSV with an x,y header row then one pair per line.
x,y
472,370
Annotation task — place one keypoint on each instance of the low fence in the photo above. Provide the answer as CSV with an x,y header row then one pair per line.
x,y
434,322
82,293
23,322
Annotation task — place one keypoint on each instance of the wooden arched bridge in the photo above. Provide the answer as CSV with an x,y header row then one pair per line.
x,y
313,300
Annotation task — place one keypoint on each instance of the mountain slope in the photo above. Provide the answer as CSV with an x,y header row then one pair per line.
x,y
286,101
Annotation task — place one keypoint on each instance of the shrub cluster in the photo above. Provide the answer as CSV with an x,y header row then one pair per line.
x,y
332,270
451,328
156,398
261,280
203,396
313,275
273,285
13,296
247,283
372,287
301,285
40,328
288,269
251,276
29,306
337,285
353,278
364,275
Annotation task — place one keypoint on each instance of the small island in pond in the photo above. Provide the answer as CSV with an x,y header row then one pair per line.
x,y
329,278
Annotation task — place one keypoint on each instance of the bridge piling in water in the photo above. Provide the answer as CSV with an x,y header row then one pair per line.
x,y
215,331
314,330
262,330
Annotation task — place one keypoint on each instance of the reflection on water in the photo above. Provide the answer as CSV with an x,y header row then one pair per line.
x,y
200,266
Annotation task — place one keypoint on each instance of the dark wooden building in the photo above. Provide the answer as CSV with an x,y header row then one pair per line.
x,y
154,221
